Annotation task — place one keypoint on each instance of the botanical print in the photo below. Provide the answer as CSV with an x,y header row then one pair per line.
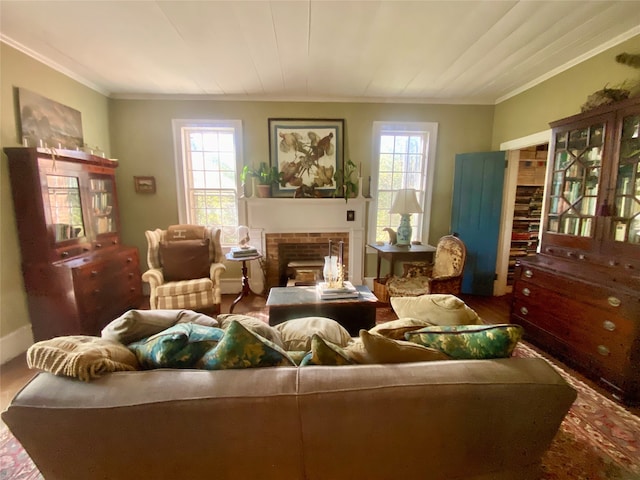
x,y
306,155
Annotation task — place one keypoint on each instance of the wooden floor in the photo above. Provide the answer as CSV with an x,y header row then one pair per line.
x,y
15,373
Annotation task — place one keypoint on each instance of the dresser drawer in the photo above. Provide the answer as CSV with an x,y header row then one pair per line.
x,y
609,299
603,334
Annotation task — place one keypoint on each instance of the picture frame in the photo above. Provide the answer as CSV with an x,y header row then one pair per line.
x,y
307,153
145,184
47,123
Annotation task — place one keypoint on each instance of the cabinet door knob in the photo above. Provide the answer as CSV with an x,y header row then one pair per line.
x,y
524,310
614,301
526,292
98,245
604,351
609,325
64,254
129,259
528,273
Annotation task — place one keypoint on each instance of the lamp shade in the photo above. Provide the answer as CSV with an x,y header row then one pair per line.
x,y
405,202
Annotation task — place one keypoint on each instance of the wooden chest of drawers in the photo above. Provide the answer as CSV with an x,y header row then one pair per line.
x,y
80,296
594,327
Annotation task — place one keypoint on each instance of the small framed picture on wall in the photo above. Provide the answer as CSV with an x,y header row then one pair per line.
x,y
145,184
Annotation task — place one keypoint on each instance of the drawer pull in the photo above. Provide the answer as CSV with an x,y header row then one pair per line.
x,y
614,301
98,245
524,310
528,273
129,259
96,291
64,254
604,351
609,325
94,273
526,292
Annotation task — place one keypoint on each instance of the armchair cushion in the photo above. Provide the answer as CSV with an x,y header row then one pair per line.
x,y
185,259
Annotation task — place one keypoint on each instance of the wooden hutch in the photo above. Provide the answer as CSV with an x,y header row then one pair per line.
x,y
579,298
77,276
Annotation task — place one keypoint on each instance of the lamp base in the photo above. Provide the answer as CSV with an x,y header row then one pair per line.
x,y
404,230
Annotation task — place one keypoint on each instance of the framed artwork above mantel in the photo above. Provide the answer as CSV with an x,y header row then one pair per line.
x,y
307,153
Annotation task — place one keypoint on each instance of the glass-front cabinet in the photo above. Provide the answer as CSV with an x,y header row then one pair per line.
x,y
77,276
593,188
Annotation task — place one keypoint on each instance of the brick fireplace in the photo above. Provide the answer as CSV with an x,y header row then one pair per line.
x,y
283,248
286,229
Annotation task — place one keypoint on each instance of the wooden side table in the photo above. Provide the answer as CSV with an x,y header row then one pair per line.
x,y
391,253
246,289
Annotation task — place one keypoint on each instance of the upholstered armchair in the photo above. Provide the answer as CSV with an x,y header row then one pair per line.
x,y
444,275
185,266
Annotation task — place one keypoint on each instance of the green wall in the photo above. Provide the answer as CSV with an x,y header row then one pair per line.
x,y
142,141
562,95
21,71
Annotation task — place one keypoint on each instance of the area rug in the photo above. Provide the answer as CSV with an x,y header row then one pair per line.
x,y
597,440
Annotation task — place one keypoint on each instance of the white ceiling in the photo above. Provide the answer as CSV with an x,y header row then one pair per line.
x,y
419,51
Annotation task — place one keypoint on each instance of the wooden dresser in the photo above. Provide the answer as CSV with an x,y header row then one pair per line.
x,y
579,298
77,275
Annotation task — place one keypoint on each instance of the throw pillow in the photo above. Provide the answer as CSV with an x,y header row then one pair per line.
x,y
135,325
470,341
81,357
437,309
387,350
296,333
242,348
185,260
178,233
324,352
252,323
397,328
180,346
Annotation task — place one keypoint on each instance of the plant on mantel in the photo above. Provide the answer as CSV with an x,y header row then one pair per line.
x,y
345,186
265,175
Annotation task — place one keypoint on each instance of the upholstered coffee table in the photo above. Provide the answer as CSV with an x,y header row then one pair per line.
x,y
286,303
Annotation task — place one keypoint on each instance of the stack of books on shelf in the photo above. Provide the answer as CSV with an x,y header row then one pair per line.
x,y
346,291
241,252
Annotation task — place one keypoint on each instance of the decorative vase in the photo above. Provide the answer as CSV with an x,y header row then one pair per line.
x,y
330,271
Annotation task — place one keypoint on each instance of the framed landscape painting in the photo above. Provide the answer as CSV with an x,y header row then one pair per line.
x,y
307,153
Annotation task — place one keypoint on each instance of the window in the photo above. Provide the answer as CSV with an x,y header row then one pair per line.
x,y
403,158
208,159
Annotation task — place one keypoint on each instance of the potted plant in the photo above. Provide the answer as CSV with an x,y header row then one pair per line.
x,y
345,185
265,177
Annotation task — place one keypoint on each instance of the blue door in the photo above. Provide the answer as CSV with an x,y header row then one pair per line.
x,y
475,216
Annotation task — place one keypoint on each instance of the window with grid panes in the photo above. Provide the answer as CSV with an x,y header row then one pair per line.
x,y
208,156
402,159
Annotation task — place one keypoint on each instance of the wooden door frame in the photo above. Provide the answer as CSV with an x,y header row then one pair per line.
x,y
508,201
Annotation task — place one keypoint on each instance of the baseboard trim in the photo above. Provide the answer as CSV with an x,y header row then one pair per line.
x,y
15,343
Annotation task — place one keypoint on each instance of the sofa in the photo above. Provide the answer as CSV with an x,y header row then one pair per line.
x,y
299,401
453,419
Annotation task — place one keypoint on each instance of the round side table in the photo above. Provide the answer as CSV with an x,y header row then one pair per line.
x,y
246,289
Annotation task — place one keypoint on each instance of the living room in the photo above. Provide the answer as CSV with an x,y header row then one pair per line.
x,y
137,131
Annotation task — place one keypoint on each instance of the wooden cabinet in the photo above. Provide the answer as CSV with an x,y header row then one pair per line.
x,y
579,299
77,275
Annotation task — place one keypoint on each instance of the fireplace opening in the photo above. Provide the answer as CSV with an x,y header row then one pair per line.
x,y
301,255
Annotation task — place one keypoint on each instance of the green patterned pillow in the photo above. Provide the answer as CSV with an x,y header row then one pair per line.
x,y
470,341
180,346
242,348
324,352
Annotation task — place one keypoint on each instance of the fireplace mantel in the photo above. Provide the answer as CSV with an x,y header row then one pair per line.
x,y
309,215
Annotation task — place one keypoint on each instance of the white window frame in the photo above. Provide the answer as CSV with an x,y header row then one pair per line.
x,y
430,129
181,180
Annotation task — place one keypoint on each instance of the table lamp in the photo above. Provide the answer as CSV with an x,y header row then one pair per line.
x,y
405,203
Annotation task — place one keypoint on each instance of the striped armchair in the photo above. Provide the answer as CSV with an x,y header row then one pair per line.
x,y
200,294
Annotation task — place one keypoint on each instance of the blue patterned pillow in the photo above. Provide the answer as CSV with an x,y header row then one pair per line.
x,y
470,341
242,348
180,346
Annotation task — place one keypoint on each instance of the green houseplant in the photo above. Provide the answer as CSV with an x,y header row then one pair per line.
x,y
345,185
265,177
